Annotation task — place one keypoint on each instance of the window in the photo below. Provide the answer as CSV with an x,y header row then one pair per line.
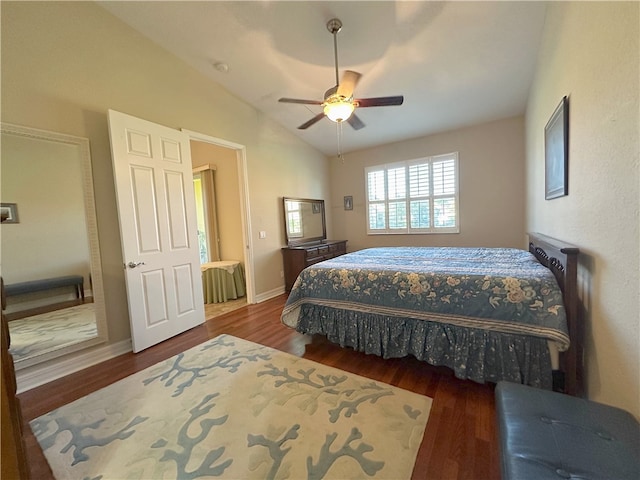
x,y
415,196
203,243
205,196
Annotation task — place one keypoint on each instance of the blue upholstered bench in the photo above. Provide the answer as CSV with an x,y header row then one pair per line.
x,y
549,435
76,281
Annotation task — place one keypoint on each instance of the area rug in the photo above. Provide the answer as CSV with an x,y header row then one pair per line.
x,y
233,409
47,331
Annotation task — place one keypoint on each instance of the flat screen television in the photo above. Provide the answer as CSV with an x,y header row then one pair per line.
x,y
304,221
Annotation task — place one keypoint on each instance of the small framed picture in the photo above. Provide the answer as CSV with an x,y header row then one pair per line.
x,y
348,202
556,152
9,213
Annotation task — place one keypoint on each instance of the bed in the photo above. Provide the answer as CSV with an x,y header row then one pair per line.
x,y
488,314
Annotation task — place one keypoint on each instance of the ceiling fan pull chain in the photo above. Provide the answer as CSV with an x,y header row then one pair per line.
x,y
339,127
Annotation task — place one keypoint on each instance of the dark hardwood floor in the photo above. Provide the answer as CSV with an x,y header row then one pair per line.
x,y
460,440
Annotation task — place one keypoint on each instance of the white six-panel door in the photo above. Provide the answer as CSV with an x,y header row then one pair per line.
x,y
156,209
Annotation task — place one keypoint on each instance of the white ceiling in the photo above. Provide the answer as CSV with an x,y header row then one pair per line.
x,y
456,63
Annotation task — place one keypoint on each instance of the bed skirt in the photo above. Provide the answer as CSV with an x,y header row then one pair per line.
x,y
473,354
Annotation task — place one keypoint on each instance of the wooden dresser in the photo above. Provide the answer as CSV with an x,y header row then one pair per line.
x,y
299,257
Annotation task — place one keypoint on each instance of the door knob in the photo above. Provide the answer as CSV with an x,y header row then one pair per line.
x,y
134,264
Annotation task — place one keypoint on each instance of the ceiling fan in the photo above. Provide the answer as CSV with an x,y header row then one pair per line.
x,y
338,104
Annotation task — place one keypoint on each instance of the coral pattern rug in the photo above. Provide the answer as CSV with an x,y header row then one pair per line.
x,y
230,408
44,332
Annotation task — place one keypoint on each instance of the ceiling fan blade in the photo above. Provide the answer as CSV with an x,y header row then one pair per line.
x,y
348,83
380,101
315,119
355,122
298,100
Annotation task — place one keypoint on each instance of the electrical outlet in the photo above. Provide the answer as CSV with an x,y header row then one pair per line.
x,y
281,274
263,234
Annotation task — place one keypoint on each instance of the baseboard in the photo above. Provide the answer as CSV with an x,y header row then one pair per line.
x,y
263,297
38,375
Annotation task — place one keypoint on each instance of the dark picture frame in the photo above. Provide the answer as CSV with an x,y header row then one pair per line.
x,y
348,202
9,213
556,152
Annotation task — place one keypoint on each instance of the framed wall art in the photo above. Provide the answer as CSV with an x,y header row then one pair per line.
x,y
348,202
556,152
9,213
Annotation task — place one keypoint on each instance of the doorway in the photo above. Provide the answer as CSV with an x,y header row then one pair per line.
x,y
232,209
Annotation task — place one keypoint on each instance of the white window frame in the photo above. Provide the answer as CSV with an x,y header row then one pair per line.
x,y
430,197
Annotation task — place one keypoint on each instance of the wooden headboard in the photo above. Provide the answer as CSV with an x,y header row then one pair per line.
x,y
562,259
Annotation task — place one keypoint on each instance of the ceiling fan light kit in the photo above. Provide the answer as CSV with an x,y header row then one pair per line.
x,y
338,109
338,104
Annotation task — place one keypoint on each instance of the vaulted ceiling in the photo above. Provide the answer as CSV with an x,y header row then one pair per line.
x,y
456,63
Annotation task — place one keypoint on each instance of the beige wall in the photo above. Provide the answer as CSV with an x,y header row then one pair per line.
x,y
491,168
65,63
589,52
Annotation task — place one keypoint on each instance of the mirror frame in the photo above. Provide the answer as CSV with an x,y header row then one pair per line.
x,y
97,287
303,240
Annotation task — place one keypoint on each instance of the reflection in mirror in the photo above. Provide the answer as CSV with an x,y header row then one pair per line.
x,y
304,220
50,256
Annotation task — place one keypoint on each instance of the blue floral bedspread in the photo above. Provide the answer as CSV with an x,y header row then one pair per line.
x,y
488,313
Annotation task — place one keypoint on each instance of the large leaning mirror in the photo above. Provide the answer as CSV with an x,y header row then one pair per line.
x,y
50,259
